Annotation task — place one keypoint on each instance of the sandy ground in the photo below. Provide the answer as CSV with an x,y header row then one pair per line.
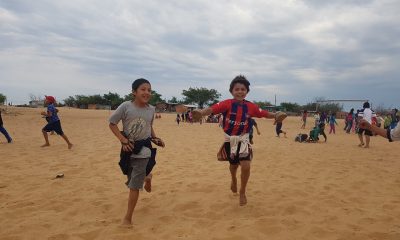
x,y
332,190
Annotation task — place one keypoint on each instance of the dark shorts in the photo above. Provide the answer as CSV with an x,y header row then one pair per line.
x,y
237,159
365,131
55,126
278,128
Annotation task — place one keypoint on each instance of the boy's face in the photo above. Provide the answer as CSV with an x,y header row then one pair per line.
x,y
239,91
143,93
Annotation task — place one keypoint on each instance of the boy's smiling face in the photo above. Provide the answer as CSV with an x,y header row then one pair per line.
x,y
239,91
143,93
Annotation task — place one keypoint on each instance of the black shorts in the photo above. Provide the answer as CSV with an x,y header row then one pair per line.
x,y
55,126
237,159
365,131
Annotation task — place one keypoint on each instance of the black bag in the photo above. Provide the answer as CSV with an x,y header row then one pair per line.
x,y
301,137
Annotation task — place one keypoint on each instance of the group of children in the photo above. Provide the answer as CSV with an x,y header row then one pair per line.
x,y
138,155
237,114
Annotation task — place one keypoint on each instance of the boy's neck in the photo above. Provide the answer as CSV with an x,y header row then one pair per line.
x,y
140,104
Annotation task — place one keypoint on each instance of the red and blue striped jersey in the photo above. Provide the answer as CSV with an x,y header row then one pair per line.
x,y
236,115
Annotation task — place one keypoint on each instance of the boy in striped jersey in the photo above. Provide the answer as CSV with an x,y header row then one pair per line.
x,y
236,115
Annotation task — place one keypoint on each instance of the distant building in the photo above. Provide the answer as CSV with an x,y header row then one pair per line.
x,y
98,106
273,108
171,107
36,103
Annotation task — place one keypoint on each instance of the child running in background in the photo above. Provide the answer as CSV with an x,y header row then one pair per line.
x,y
316,119
236,114
278,128
178,118
367,114
304,119
137,116
54,123
3,130
349,121
332,123
253,123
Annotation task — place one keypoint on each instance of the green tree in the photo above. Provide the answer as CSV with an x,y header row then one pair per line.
x,y
81,101
201,96
173,100
262,105
113,99
70,101
155,98
323,107
291,107
3,98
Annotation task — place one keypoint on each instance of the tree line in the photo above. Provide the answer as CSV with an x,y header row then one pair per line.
x,y
199,96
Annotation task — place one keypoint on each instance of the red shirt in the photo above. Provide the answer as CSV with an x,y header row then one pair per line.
x,y
236,115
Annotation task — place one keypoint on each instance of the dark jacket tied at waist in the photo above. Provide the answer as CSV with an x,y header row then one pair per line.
x,y
137,147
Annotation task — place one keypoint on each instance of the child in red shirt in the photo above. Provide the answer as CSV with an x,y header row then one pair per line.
x,y
236,114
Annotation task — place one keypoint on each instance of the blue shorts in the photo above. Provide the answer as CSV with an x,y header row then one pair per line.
x,y
54,126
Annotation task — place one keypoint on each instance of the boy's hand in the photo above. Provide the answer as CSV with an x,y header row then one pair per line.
x,y
196,115
280,116
43,113
127,146
158,141
258,132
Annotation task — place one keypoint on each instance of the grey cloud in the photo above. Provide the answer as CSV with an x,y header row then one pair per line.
x,y
306,49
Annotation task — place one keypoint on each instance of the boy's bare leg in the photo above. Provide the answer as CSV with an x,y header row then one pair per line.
x,y
68,142
367,139
147,182
233,169
46,138
244,177
361,140
133,197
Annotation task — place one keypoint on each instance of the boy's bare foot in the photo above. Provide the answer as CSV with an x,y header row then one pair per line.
x,y
361,144
234,186
126,223
366,146
147,182
45,145
70,145
242,199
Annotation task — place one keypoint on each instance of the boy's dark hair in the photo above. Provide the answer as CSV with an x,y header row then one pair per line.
x,y
242,80
138,82
366,105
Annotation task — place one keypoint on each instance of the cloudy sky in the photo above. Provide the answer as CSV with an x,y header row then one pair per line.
x,y
298,50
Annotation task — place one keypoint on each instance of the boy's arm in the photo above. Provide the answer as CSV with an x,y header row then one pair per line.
x,y
127,146
156,140
197,114
366,125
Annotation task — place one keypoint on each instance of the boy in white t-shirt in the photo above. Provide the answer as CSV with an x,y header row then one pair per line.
x,y
366,114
